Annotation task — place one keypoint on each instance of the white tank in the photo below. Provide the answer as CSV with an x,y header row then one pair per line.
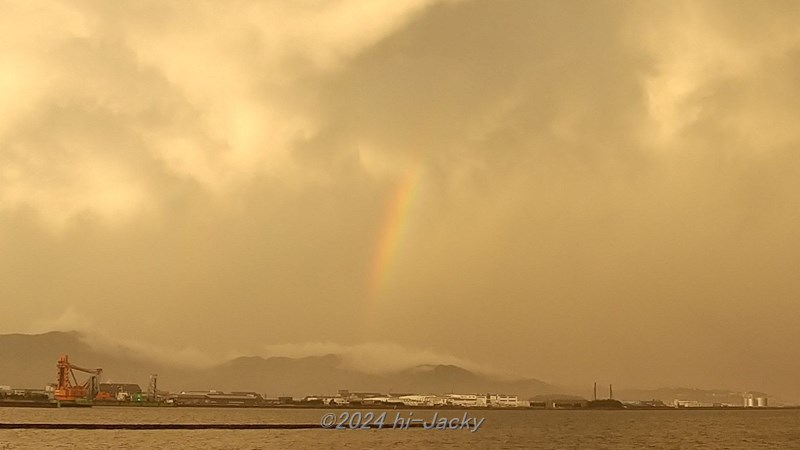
x,y
761,401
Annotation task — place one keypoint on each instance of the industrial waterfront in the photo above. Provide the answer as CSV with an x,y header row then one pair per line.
x,y
78,386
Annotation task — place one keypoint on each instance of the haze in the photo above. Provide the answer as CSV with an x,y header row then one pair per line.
x,y
574,191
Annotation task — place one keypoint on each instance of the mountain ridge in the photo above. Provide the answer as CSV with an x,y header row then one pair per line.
x,y
29,361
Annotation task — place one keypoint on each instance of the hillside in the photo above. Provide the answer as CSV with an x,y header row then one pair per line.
x,y
30,361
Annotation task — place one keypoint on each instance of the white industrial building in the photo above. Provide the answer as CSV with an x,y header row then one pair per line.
x,y
502,400
465,400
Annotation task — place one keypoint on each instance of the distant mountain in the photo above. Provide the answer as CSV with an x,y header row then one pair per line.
x,y
326,374
668,395
30,361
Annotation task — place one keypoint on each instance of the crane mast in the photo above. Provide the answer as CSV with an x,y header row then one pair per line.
x,y
69,390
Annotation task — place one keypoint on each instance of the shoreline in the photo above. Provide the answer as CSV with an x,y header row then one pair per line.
x,y
412,408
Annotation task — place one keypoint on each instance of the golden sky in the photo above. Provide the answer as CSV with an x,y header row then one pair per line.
x,y
569,190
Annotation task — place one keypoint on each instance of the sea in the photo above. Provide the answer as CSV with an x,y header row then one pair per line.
x,y
511,429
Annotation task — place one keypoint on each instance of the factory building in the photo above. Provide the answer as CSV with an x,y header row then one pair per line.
x,y
502,400
753,401
119,392
216,398
465,400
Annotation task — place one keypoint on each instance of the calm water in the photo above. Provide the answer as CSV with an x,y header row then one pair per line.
x,y
502,429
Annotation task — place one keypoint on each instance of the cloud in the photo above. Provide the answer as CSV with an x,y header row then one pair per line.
x,y
108,108
104,340
375,357
697,49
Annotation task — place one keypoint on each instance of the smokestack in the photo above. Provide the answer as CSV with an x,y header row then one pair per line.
x,y
595,391
610,392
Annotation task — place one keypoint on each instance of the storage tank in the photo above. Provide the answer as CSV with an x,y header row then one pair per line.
x,y
761,402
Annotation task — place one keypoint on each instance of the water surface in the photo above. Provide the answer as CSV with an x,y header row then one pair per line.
x,y
678,429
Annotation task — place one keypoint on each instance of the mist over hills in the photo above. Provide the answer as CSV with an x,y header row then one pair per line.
x,y
30,361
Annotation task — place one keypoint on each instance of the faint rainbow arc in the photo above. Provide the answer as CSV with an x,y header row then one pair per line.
x,y
395,227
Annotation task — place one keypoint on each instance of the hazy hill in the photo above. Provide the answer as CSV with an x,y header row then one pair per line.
x,y
326,374
30,361
667,395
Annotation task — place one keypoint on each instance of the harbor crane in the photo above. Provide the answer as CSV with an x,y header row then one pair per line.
x,y
68,388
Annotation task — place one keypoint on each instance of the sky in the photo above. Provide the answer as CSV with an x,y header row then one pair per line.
x,y
567,190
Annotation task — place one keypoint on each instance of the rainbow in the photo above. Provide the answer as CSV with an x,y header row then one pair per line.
x,y
394,229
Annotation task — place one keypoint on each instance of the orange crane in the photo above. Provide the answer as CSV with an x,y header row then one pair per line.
x,y
68,389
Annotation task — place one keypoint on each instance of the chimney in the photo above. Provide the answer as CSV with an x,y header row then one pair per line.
x,y
594,397
610,392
